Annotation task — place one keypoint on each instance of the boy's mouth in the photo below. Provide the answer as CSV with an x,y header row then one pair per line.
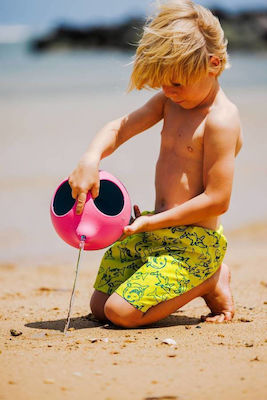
x,y
177,102
174,100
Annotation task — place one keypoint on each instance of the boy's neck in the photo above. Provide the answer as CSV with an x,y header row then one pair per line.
x,y
210,97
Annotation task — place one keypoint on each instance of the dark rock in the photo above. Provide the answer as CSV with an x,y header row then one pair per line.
x,y
245,30
123,36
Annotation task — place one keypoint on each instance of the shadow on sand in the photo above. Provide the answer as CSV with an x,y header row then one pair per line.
x,y
88,321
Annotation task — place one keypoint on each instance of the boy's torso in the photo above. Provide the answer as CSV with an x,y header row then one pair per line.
x,y
179,170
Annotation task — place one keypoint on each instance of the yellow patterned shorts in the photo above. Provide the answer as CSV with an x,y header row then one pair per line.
x,y
150,267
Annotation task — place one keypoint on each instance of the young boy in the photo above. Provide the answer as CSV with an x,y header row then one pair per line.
x,y
174,254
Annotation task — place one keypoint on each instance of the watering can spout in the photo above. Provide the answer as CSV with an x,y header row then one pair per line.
x,y
86,230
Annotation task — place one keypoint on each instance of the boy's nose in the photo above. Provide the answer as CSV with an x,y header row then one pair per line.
x,y
168,90
165,88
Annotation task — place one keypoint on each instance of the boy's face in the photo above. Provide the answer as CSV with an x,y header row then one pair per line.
x,y
190,95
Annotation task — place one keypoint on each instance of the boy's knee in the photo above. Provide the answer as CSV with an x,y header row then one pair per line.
x,y
97,312
112,313
121,313
97,304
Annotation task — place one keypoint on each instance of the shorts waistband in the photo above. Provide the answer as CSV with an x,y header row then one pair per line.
x,y
219,230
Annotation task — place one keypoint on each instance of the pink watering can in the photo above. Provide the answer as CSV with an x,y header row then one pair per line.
x,y
102,220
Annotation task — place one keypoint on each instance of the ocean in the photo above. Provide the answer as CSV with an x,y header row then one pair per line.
x,y
51,105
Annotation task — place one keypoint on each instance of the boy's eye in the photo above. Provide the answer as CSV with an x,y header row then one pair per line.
x,y
176,84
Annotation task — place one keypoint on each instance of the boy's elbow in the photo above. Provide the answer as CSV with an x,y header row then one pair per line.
x,y
220,205
223,207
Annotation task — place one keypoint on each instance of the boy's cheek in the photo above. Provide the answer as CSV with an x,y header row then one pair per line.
x,y
168,91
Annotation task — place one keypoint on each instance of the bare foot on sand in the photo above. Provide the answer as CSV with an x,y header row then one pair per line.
x,y
219,299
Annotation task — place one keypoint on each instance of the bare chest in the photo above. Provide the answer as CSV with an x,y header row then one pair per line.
x,y
182,134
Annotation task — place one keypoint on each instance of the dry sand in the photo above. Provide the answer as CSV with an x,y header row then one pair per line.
x,y
222,361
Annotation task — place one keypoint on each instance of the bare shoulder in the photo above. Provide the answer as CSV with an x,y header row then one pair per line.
x,y
223,124
157,102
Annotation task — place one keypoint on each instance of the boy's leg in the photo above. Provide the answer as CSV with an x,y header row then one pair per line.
x,y
119,262
97,304
215,290
219,299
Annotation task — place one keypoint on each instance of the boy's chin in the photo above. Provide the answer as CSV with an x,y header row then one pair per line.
x,y
180,103
184,104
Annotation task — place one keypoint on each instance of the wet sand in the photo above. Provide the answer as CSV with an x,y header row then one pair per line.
x,y
103,362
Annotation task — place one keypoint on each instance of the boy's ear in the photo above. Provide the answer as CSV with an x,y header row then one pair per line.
x,y
215,64
215,61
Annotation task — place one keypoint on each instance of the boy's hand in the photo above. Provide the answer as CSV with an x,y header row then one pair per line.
x,y
83,179
139,224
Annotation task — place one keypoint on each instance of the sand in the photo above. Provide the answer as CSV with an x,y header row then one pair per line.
x,y
103,362
50,108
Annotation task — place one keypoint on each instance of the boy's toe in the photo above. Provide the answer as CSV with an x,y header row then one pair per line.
x,y
218,317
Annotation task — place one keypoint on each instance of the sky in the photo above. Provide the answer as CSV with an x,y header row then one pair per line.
x,y
48,12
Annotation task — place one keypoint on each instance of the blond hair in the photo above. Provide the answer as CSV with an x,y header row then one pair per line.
x,y
177,45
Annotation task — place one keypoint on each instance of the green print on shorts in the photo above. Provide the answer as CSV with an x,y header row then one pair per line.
x,y
150,267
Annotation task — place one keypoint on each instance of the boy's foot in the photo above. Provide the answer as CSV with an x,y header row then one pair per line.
x,y
219,299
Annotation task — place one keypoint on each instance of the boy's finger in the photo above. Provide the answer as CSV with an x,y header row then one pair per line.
x,y
80,202
95,191
74,193
123,236
137,211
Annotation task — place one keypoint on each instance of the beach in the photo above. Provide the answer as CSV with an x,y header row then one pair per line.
x,y
101,361
50,108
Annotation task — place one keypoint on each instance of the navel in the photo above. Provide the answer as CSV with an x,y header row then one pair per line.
x,y
189,148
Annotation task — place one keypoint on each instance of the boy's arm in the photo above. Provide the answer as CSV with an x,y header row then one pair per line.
x,y
220,141
118,131
85,176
